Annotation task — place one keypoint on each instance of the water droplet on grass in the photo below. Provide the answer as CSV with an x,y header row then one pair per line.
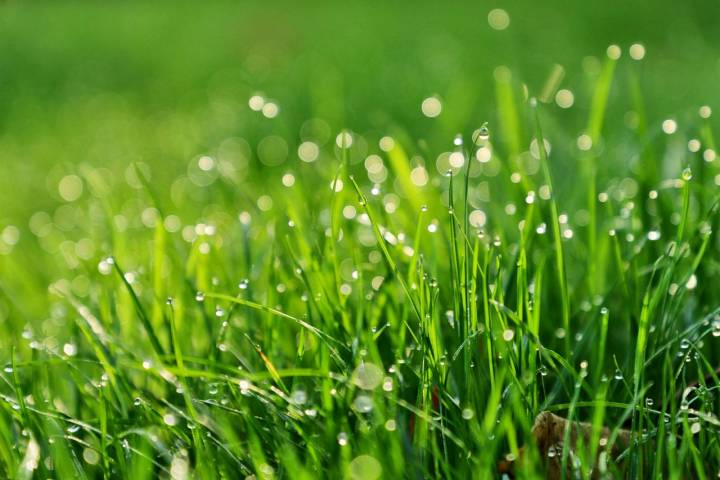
x,y
716,327
482,135
552,452
363,404
388,384
687,174
170,419
91,456
299,397
367,376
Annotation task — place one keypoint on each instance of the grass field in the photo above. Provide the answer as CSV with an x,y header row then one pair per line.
x,y
364,240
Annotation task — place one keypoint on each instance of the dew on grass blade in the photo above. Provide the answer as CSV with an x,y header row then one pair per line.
x,y
687,174
388,384
450,315
695,427
298,397
344,139
70,349
363,403
716,327
91,456
367,376
180,466
481,135
477,218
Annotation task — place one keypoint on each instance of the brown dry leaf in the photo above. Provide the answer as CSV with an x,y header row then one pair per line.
x,y
548,433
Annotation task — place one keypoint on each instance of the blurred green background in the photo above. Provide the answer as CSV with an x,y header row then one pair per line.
x,y
112,82
96,86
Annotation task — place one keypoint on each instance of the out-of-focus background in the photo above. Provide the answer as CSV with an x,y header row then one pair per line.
x,y
89,89
107,83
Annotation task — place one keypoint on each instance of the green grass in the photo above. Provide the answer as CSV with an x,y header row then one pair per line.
x,y
182,296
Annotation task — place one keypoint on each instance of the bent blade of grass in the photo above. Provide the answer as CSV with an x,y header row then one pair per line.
x,y
557,237
388,258
327,339
596,118
140,310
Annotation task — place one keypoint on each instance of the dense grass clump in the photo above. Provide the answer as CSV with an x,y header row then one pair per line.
x,y
307,298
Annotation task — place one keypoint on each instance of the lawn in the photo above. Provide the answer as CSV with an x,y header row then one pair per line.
x,y
359,240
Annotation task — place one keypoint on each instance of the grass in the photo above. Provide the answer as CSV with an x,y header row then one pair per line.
x,y
390,301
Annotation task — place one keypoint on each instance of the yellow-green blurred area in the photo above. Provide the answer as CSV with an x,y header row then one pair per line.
x,y
109,83
90,89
